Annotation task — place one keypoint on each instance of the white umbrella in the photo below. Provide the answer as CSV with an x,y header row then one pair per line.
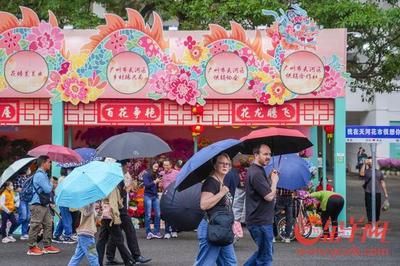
x,y
14,168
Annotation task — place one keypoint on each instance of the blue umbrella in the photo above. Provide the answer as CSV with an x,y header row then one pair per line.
x,y
293,170
199,166
87,154
88,183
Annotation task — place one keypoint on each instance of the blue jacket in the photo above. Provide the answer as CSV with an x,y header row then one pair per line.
x,y
42,183
150,188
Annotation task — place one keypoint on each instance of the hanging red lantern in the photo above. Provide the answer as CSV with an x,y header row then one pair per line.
x,y
329,129
198,110
197,130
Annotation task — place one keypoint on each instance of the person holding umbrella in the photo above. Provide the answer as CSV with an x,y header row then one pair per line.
x,y
215,196
260,204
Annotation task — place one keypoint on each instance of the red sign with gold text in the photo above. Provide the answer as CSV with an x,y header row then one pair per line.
x,y
256,113
128,112
9,112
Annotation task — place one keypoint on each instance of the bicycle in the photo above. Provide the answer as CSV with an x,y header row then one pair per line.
x,y
301,220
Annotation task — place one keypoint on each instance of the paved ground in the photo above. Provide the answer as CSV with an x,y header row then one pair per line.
x,y
182,251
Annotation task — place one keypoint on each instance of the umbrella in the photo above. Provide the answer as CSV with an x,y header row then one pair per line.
x,y
280,140
199,166
56,153
294,172
132,145
14,168
88,183
182,209
87,155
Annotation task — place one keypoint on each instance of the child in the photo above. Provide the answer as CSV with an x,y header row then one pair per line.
x,y
86,241
7,206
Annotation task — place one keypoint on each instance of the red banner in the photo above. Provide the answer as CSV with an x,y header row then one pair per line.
x,y
128,112
9,112
256,113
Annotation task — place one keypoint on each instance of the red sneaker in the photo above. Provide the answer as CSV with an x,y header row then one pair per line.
x,y
51,250
34,251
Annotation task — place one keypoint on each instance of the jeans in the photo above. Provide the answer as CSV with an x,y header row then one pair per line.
x,y
65,223
86,247
8,217
262,236
210,254
149,204
23,217
285,203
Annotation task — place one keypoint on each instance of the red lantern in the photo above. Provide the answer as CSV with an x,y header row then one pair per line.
x,y
198,129
197,110
329,129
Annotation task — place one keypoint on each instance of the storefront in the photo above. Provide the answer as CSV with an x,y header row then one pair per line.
x,y
178,84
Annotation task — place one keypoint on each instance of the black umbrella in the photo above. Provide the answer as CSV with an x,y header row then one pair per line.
x,y
181,209
280,140
132,145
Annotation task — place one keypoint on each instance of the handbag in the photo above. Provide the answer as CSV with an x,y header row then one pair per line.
x,y
220,231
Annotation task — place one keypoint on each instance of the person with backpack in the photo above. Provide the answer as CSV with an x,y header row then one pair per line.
x,y
40,210
23,209
7,206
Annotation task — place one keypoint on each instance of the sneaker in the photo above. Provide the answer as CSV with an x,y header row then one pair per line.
x,y
68,240
273,240
57,239
6,240
12,239
150,236
158,236
286,240
174,234
34,251
167,236
24,237
74,237
142,259
51,250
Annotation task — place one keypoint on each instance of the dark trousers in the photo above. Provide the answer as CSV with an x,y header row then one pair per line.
x,y
8,217
368,205
76,217
333,208
114,232
284,203
131,239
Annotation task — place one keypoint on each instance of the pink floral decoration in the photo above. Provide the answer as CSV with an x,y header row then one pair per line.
x,y
64,68
116,43
249,55
45,39
183,90
189,43
333,83
172,69
218,47
159,83
75,88
55,79
10,42
149,46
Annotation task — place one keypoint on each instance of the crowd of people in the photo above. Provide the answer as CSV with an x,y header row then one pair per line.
x,y
241,192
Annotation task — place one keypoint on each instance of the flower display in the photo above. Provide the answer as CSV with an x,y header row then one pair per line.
x,y
149,46
183,89
333,83
195,56
278,92
10,42
218,47
189,42
45,39
116,43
